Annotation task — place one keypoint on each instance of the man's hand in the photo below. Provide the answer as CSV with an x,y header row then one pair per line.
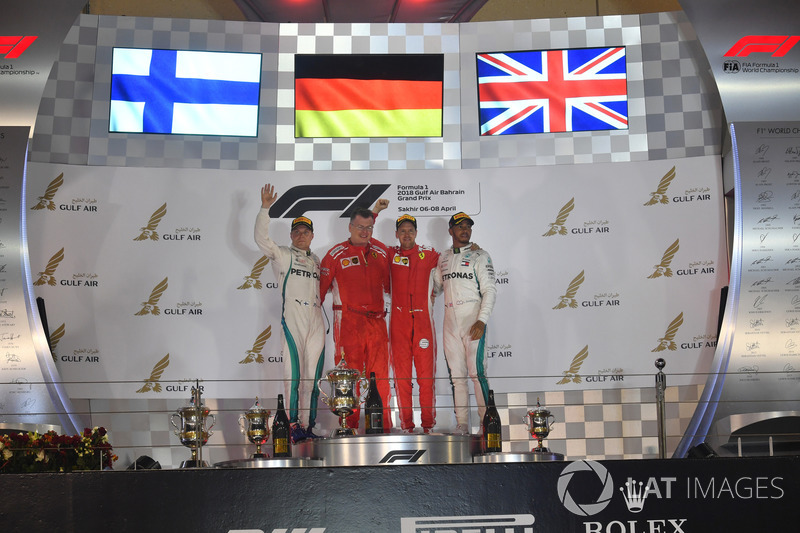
x,y
380,205
477,329
268,196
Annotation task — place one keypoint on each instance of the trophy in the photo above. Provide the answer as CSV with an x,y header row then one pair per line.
x,y
539,425
253,423
193,431
343,400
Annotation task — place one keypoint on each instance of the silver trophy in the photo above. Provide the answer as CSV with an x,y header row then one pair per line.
x,y
192,430
254,424
342,399
539,425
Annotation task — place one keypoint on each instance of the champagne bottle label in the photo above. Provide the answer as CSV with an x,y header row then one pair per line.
x,y
374,421
281,446
493,440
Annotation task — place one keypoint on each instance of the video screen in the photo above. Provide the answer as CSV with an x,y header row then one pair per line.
x,y
551,91
369,95
184,92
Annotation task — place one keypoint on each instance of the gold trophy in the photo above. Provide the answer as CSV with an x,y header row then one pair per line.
x,y
254,424
539,425
342,399
193,431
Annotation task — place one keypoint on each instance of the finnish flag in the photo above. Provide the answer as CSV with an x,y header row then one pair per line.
x,y
184,92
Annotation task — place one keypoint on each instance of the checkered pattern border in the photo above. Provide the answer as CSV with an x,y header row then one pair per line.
x,y
81,81
675,110
368,153
590,424
61,132
684,110
552,148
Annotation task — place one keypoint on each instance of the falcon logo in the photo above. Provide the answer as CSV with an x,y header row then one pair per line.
x,y
149,231
663,269
568,299
667,342
55,336
150,307
151,383
252,281
47,276
660,195
254,353
46,201
775,45
298,200
13,46
558,226
574,368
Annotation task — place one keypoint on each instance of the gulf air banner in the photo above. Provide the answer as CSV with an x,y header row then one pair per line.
x,y
153,280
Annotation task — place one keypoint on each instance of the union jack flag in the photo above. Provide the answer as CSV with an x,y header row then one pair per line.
x,y
552,91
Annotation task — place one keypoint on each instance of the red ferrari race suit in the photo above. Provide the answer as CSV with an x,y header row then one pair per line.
x,y
357,276
412,333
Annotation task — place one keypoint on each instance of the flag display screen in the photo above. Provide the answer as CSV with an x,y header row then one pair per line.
x,y
184,92
552,91
370,95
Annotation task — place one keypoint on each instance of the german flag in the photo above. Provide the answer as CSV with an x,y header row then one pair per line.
x,y
395,95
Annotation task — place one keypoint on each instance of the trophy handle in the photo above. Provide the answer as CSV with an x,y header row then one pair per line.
x,y
213,421
241,425
172,422
364,383
325,398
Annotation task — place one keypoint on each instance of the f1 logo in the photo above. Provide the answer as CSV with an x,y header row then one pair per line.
x,y
13,46
346,198
779,45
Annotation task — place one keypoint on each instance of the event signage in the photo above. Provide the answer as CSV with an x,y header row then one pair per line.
x,y
183,276
30,393
583,496
29,44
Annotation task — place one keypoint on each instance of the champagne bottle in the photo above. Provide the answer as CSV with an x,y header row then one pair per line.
x,y
281,432
491,427
373,408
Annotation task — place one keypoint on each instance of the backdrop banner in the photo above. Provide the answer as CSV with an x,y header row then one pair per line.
x,y
152,278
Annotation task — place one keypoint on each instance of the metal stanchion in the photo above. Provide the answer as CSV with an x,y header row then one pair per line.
x,y
198,404
661,387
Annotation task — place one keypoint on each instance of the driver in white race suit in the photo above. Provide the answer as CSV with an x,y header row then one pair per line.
x,y
297,270
468,279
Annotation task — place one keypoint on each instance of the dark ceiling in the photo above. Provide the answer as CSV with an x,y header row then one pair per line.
x,y
372,11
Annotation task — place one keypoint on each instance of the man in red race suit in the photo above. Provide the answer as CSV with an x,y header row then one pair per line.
x,y
412,333
356,272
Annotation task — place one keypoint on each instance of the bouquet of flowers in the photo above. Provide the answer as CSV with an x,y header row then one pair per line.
x,y
51,452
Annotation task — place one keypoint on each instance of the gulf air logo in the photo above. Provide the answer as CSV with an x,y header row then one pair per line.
x,y
775,45
568,299
345,198
46,201
150,307
574,367
149,231
47,276
12,46
254,353
151,383
252,280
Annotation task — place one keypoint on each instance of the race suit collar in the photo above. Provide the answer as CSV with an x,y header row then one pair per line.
x,y
465,248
